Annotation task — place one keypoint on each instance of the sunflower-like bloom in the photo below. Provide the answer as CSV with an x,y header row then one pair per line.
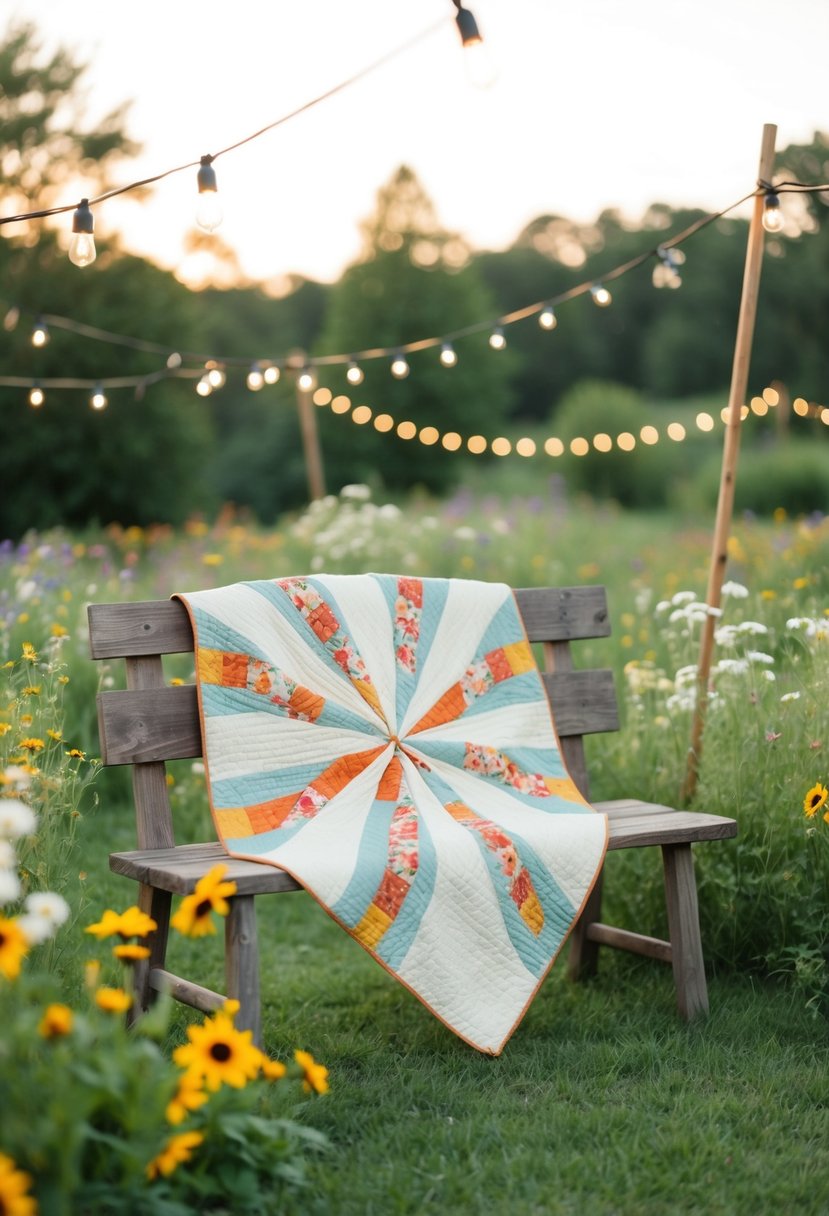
x,y
113,1000
814,800
14,946
274,1070
55,1023
14,1184
219,1054
131,953
176,1151
314,1075
189,1096
194,916
131,923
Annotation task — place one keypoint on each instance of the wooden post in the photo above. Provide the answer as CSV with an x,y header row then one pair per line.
x,y
731,448
308,430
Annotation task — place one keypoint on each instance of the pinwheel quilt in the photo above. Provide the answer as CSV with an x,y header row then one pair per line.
x,y
387,741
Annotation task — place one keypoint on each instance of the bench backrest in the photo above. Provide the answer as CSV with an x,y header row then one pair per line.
x,y
150,722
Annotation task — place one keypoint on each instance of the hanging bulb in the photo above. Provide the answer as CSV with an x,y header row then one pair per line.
x,y
399,367
214,374
256,378
98,400
478,65
82,245
209,209
496,339
354,374
306,380
547,318
447,355
601,296
666,272
772,215
204,388
36,396
40,333
271,373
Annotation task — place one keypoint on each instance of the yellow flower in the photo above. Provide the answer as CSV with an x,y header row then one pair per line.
x,y
219,1054
274,1070
814,800
176,1151
113,1000
13,1186
63,679
32,690
75,753
58,631
29,652
189,1096
14,947
800,583
55,734
768,594
131,953
212,559
56,1022
193,917
32,745
314,1076
176,681
132,923
5,727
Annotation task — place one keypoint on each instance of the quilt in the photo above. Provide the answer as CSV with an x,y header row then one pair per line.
x,y
388,742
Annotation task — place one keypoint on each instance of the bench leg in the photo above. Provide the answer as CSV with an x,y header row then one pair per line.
x,y
157,905
683,926
242,964
583,959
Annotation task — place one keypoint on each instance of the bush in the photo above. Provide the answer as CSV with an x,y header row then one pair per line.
x,y
793,475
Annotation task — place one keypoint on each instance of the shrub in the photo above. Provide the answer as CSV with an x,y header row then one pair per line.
x,y
792,476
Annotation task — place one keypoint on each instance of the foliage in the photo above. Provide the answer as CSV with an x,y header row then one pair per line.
x,y
791,475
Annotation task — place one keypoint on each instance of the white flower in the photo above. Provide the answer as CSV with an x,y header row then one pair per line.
x,y
662,606
754,627
197,767
768,675
357,492
736,590
790,696
501,527
8,857
733,667
758,656
9,886
16,819
464,532
17,776
712,611
686,676
683,597
48,906
35,929
726,635
389,511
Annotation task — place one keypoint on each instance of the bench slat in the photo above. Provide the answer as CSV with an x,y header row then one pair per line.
x,y
563,614
635,824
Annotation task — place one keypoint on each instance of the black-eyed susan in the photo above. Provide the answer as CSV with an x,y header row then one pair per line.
x,y
178,1149
194,916
113,1000
189,1095
130,923
274,1070
219,1054
14,946
131,952
814,800
14,1185
314,1075
75,753
55,1023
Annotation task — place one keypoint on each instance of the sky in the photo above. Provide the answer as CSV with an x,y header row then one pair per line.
x,y
596,104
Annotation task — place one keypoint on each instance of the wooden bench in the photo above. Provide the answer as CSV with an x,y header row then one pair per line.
x,y
151,722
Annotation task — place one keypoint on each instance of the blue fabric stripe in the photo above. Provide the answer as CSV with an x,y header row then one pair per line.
x,y
248,789
395,943
214,634
372,857
219,701
264,842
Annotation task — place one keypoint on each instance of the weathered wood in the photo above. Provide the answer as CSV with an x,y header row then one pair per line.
x,y
683,926
242,964
156,903
147,627
583,702
556,614
624,939
188,993
153,816
635,824
178,869
150,724
583,958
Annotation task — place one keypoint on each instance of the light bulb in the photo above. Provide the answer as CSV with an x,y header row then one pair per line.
x,y
354,375
215,375
496,339
306,380
666,272
477,62
447,355
271,374
82,245
399,367
601,296
40,334
36,396
204,388
547,318
256,378
98,400
208,210
772,215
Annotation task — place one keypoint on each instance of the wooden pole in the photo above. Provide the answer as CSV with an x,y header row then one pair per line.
x,y
308,430
731,448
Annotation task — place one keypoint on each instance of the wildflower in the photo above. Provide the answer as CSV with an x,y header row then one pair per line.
x,y
773,735
814,800
212,559
219,1054
177,1150
113,1000
32,744
193,917
16,818
29,652
189,1096
758,656
736,590
32,690
9,884
130,952
75,753
56,1022
45,912
63,679
176,681
800,583
14,1184
274,1070
54,734
314,1076
14,946
790,696
768,594
5,727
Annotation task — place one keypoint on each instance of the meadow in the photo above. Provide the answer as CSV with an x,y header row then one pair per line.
x,y
602,1101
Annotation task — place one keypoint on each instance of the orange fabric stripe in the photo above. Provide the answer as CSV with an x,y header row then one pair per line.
x,y
389,788
344,769
450,706
306,702
265,816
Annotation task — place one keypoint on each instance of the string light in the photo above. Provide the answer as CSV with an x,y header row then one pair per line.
x,y
480,70
271,374
36,396
666,272
82,250
547,318
399,367
306,380
772,215
40,333
255,378
215,374
448,356
204,388
354,373
601,296
496,339
209,209
98,400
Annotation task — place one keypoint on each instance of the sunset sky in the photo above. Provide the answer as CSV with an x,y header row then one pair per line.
x,y
596,104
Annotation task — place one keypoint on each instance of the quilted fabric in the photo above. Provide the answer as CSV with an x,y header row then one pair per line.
x,y
387,741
